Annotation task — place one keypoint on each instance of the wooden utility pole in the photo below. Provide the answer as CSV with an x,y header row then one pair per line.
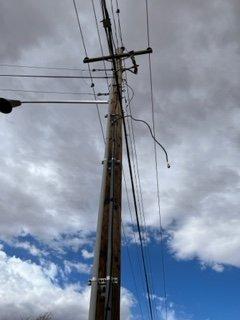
x,y
106,280
105,293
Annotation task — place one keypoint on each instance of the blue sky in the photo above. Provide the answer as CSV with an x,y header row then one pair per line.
x,y
51,158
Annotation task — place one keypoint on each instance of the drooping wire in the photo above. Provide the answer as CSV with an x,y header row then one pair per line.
x,y
152,134
156,162
109,36
89,70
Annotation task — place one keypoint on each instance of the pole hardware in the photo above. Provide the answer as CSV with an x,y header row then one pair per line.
x,y
118,55
103,281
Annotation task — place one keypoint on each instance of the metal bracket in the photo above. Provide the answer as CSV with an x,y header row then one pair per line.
x,y
103,281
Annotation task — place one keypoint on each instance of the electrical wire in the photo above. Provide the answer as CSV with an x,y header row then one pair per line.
x,y
39,67
138,184
152,134
89,70
37,91
51,76
140,202
156,162
132,272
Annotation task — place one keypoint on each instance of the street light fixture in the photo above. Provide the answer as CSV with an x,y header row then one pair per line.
x,y
6,105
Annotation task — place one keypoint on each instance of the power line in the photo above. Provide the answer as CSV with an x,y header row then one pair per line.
x,y
139,189
132,272
50,76
133,233
89,70
156,161
41,67
37,91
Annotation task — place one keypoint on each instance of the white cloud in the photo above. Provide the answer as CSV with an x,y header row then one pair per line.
x,y
32,249
77,267
28,289
127,302
51,157
86,254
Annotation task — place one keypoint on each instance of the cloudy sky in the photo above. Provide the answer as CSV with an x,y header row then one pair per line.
x,y
51,159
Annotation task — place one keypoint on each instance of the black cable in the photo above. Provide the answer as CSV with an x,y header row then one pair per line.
x,y
39,67
50,76
89,70
140,203
138,185
37,91
132,272
140,120
156,163
110,42
133,233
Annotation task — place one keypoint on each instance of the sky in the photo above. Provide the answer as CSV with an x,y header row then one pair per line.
x,y
51,160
